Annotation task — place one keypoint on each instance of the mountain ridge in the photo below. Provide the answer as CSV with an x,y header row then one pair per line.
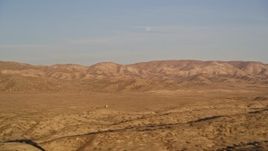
x,y
143,76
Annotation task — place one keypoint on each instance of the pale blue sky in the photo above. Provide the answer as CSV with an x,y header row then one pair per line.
x,y
128,31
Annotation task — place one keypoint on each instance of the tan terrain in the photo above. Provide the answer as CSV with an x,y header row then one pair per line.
x,y
158,105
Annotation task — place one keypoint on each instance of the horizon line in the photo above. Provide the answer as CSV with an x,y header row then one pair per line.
x,y
136,62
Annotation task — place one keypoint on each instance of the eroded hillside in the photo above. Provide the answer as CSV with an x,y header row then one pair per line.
x,y
159,106
110,77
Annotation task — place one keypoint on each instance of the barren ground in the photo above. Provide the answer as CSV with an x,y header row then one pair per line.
x,y
186,119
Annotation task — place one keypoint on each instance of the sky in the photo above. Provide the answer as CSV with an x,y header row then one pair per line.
x,y
129,31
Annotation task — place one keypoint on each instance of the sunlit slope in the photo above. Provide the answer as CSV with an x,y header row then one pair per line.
x,y
146,76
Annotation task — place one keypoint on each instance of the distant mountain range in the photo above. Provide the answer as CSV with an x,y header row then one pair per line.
x,y
145,76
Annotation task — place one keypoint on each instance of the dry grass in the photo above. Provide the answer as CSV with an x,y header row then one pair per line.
x,y
186,119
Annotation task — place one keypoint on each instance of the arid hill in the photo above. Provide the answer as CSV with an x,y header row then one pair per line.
x,y
160,105
108,76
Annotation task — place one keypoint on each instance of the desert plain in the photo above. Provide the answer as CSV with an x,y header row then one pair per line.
x,y
159,106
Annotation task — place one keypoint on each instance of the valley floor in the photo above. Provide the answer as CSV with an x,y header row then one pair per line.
x,y
189,119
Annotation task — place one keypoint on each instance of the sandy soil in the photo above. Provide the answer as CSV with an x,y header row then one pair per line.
x,y
188,119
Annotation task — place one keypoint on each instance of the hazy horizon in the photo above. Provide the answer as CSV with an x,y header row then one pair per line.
x,y
109,61
124,31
